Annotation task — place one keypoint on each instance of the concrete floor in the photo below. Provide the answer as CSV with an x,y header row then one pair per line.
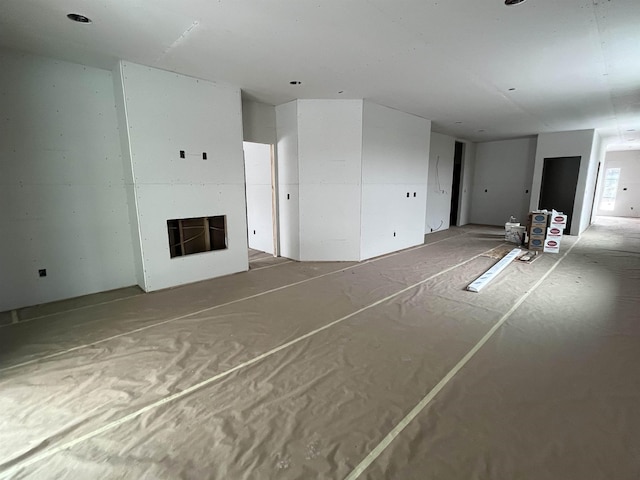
x,y
380,369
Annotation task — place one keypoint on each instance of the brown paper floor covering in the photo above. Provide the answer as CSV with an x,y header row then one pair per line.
x,y
301,370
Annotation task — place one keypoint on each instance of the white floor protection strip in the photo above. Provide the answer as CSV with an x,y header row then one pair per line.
x,y
15,319
269,266
386,441
110,426
208,309
68,310
84,307
482,281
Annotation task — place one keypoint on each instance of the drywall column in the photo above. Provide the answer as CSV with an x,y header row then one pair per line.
x,y
62,201
578,143
360,170
395,159
165,113
288,180
319,175
441,159
598,152
502,181
329,160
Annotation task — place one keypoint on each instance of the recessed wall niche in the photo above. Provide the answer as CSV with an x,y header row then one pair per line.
x,y
197,235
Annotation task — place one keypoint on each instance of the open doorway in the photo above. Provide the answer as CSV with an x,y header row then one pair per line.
x,y
455,184
260,194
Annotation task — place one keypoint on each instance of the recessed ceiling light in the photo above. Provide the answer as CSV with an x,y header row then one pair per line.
x,y
76,17
513,2
295,82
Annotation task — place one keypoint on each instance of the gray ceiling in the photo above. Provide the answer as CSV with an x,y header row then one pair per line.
x,y
574,64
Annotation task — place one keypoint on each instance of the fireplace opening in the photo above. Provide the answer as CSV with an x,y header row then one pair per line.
x,y
197,235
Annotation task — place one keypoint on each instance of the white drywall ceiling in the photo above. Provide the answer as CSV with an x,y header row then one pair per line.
x,y
574,63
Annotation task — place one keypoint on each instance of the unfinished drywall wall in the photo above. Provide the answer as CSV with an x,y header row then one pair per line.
x,y
258,122
319,162
568,144
395,159
165,114
288,180
598,152
621,198
257,161
466,189
441,153
502,181
62,203
360,170
329,162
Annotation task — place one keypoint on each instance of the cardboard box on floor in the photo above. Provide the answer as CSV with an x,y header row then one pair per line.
x,y
536,228
558,220
554,233
545,231
538,219
536,243
551,245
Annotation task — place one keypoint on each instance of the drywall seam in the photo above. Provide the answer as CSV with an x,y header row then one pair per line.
x,y
187,391
208,309
386,441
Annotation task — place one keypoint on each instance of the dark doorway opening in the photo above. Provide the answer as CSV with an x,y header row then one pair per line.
x,y
455,185
559,183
